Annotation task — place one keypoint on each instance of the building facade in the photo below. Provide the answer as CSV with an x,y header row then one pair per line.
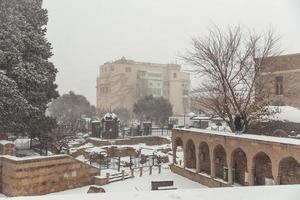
x,y
121,83
280,75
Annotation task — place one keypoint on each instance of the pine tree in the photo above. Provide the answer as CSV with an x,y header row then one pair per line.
x,y
24,61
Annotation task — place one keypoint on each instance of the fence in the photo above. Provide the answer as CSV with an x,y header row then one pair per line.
x,y
156,131
116,163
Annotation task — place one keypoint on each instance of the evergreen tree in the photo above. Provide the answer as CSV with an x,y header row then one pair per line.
x,y
24,61
152,109
69,108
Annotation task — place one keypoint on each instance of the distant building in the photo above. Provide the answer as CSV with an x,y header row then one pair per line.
x,y
121,83
281,76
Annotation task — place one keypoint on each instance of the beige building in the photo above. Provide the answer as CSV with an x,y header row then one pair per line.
x,y
121,83
281,75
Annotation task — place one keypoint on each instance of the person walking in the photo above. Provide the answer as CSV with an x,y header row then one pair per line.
x,y
237,123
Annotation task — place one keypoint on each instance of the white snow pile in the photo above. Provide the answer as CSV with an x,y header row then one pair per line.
x,y
22,143
110,116
285,113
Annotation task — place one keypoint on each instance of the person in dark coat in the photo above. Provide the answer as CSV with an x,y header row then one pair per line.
x,y
238,123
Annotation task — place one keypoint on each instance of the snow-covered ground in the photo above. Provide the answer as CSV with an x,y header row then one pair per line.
x,y
142,183
288,192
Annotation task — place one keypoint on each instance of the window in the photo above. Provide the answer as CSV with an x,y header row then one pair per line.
x,y
279,85
128,69
112,68
174,75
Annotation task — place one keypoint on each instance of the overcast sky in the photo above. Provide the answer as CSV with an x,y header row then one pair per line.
x,y
86,33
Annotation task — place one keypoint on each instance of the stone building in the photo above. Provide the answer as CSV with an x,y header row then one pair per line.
x,y
121,83
218,159
281,76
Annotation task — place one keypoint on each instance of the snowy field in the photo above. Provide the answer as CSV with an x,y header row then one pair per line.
x,y
140,184
290,192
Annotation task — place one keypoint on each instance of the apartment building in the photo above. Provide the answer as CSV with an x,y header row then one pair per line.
x,y
122,82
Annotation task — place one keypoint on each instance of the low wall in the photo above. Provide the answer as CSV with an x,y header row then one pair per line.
x,y
148,140
204,180
38,176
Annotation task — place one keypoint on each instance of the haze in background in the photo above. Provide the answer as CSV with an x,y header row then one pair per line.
x,y
87,33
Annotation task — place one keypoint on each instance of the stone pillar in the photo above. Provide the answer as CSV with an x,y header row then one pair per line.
x,y
250,168
197,152
184,156
174,153
275,172
212,168
212,163
229,165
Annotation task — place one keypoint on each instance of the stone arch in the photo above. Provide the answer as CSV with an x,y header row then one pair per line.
x,y
204,158
239,166
262,169
289,171
220,160
178,151
190,154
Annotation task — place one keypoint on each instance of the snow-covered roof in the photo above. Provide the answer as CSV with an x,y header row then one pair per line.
x,y
290,192
286,113
245,136
4,142
110,116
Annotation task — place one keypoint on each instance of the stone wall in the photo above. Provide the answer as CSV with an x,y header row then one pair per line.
x,y
204,180
38,176
287,67
148,140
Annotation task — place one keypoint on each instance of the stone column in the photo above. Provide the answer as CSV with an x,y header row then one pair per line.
x,y
229,165
184,156
212,163
197,158
212,167
275,172
174,153
250,171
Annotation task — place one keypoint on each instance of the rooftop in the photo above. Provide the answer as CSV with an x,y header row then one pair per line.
x,y
263,138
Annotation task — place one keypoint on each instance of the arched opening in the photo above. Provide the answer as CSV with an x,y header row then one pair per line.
x,y
262,169
289,171
190,158
178,152
220,161
204,158
239,166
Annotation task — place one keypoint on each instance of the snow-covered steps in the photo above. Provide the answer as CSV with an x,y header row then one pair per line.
x,y
118,177
103,180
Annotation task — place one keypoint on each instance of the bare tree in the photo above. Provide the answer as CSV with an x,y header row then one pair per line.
x,y
229,63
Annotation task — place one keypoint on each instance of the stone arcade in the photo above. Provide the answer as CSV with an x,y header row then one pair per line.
x,y
223,159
